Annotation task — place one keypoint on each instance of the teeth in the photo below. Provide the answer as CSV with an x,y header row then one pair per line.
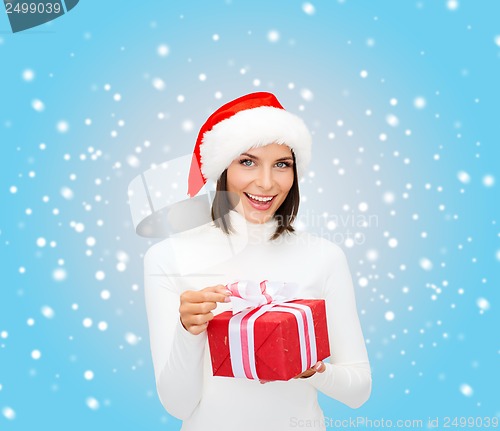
x,y
257,198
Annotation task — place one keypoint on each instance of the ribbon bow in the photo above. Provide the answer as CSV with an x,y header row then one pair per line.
x,y
251,300
250,294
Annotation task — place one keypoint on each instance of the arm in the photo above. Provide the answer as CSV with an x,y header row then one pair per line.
x,y
177,354
348,377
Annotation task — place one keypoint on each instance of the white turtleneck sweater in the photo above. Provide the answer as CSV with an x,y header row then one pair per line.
x,y
206,256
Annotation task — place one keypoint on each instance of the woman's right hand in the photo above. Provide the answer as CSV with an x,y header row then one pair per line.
x,y
197,305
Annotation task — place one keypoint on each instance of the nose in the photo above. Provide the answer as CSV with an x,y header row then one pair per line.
x,y
265,178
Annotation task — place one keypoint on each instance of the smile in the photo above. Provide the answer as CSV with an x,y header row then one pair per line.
x,y
261,203
260,198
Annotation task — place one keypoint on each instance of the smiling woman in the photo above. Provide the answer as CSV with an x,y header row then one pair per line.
x,y
256,151
259,182
272,178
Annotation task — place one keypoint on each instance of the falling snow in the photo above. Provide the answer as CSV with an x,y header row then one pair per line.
x,y
273,36
163,50
466,390
67,193
28,75
59,274
102,326
87,322
308,8
425,264
131,338
463,177
9,413
159,84
419,103
488,180
92,403
62,126
483,304
38,105
307,94
48,312
392,120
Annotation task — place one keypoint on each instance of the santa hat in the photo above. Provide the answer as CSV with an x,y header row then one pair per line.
x,y
253,120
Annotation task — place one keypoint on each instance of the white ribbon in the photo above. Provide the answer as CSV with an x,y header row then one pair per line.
x,y
250,294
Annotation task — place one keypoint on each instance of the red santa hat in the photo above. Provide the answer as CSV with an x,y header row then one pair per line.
x,y
253,120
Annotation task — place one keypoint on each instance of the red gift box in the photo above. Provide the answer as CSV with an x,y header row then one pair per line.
x,y
276,341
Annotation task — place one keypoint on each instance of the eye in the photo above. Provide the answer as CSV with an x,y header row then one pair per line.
x,y
284,164
246,162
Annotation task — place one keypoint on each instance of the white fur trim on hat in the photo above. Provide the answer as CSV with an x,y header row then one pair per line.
x,y
251,128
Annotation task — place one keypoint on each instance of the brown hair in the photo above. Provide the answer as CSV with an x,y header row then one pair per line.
x,y
284,215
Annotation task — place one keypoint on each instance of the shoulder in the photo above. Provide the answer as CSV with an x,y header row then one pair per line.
x,y
158,254
178,250
158,249
168,245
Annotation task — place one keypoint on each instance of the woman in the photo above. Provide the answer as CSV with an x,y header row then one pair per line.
x,y
256,151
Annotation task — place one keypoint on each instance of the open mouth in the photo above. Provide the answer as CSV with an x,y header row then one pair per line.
x,y
259,202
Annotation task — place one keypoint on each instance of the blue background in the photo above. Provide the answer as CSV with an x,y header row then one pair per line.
x,y
438,357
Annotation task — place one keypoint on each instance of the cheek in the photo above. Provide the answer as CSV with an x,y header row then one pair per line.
x,y
236,181
287,182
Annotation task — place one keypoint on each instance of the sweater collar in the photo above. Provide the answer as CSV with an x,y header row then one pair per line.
x,y
253,233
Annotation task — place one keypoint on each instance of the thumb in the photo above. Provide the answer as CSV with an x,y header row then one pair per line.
x,y
320,367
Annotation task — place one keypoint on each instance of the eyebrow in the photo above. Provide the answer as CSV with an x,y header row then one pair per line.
x,y
256,158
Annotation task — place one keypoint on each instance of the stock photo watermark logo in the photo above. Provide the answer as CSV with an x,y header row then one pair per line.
x,y
24,15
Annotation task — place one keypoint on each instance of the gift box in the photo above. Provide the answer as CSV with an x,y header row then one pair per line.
x,y
278,339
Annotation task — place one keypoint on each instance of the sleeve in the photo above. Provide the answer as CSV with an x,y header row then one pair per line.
x,y
177,354
348,377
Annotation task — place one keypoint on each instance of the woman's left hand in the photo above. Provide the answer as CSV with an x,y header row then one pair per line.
x,y
319,367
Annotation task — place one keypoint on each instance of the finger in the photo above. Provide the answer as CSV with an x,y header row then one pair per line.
x,y
219,288
320,367
202,296
222,289
197,307
197,319
198,329
305,373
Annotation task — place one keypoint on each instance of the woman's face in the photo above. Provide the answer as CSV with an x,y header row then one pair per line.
x,y
259,181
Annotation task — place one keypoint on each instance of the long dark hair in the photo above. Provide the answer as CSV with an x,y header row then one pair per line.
x,y
284,215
